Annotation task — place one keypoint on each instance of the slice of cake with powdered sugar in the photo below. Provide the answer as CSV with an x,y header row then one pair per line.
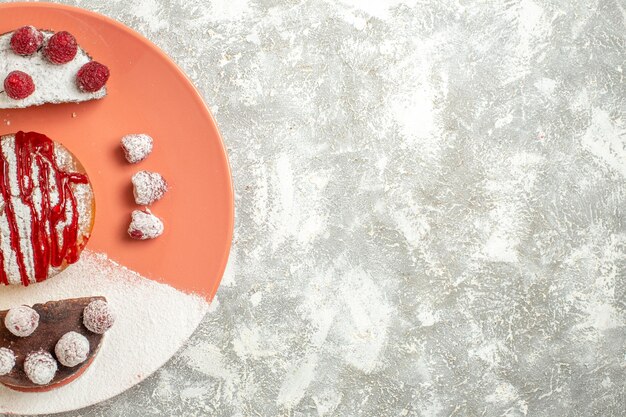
x,y
47,208
41,66
63,339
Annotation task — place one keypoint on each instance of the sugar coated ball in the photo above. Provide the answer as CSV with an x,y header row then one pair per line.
x,y
40,367
98,317
7,361
72,349
21,321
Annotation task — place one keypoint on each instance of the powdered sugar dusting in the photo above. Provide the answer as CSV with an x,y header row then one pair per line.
x,y
145,335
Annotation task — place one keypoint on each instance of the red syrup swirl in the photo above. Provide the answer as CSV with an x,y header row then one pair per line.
x,y
52,224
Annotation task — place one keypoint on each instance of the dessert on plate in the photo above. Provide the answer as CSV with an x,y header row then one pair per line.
x,y
41,66
47,208
49,345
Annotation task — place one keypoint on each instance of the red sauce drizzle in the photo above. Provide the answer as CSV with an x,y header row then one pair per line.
x,y
36,148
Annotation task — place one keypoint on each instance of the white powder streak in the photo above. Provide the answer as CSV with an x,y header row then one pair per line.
x,y
297,381
606,140
153,322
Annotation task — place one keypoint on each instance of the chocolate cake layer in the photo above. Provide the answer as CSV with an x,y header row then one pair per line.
x,y
55,319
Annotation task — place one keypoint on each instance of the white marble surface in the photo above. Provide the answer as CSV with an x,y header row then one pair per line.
x,y
430,208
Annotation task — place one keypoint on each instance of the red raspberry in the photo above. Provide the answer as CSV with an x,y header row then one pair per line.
x,y
61,48
26,40
92,76
136,234
18,85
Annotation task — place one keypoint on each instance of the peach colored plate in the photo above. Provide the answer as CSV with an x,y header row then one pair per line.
x,y
147,93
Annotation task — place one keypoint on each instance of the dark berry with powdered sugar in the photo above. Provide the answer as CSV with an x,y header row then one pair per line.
x,y
40,367
21,321
72,349
148,187
145,225
98,317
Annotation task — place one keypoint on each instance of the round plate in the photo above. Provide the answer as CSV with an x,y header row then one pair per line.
x,y
147,93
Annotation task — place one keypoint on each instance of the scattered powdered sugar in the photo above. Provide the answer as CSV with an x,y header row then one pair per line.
x,y
148,187
136,147
40,367
145,225
53,83
153,322
72,349
7,360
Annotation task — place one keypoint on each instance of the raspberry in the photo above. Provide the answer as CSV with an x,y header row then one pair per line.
x,y
136,234
92,76
18,85
136,147
26,40
7,361
145,225
61,48
98,316
72,349
148,187
40,367
21,321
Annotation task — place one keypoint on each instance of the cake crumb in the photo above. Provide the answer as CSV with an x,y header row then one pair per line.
x,y
73,115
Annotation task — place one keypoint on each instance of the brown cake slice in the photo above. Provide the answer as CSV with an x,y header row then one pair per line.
x,y
56,318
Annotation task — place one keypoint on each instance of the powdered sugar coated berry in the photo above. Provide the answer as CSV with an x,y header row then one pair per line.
x,y
61,48
148,187
136,147
7,361
21,321
18,85
40,367
92,76
26,40
98,316
145,225
72,349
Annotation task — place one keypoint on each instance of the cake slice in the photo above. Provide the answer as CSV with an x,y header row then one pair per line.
x,y
47,208
40,66
66,338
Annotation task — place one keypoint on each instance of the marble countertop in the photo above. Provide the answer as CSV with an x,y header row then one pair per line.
x,y
429,208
